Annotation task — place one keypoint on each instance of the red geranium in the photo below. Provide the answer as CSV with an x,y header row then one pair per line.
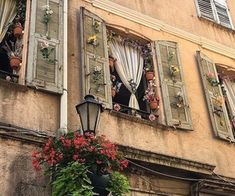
x,y
97,153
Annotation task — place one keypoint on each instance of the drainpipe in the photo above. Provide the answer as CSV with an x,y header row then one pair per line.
x,y
64,97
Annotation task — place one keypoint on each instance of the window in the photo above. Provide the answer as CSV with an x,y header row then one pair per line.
x,y
41,59
128,86
219,90
11,25
215,10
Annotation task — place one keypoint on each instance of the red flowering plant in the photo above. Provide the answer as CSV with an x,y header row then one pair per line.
x,y
97,153
73,159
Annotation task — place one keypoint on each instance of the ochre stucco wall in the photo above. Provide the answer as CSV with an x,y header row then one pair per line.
x,y
199,144
28,108
183,15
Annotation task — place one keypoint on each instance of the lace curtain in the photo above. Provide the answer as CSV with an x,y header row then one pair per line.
x,y
7,14
129,66
229,87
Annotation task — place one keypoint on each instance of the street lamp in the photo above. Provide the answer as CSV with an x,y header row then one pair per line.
x,y
89,112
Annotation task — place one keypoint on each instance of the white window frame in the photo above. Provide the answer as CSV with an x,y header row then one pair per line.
x,y
216,19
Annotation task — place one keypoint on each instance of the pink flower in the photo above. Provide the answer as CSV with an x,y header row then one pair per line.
x,y
75,157
210,75
152,117
116,107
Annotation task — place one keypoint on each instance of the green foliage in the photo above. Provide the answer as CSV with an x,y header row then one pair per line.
x,y
72,180
118,184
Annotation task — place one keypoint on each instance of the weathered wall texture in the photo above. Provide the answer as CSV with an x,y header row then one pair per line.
x,y
183,15
199,144
28,108
17,176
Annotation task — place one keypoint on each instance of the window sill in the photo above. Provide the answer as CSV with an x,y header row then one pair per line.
x,y
134,119
147,122
12,85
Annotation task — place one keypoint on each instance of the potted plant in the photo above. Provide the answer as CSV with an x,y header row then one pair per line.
x,y
148,67
14,52
150,96
94,158
111,63
18,30
211,78
149,74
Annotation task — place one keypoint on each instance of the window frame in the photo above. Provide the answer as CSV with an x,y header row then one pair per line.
x,y
215,18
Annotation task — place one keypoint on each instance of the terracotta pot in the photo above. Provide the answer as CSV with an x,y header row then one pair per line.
x,y
113,92
15,63
111,64
18,31
149,75
154,105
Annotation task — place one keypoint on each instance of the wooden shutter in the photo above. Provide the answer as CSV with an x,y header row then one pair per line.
x,y
46,74
205,9
95,57
218,113
176,115
223,15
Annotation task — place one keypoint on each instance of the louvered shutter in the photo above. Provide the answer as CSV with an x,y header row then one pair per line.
x,y
177,112
218,113
223,15
96,76
46,73
205,9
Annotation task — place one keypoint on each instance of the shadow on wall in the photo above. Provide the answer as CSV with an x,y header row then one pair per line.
x,y
24,181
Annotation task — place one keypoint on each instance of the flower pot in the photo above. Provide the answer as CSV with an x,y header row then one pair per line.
x,y
113,91
149,75
100,183
111,64
154,105
15,63
18,31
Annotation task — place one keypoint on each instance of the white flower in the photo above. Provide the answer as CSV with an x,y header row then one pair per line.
x,y
44,45
152,117
116,107
46,7
97,68
50,12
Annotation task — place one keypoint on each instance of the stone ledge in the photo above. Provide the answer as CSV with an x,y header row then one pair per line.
x,y
165,160
39,138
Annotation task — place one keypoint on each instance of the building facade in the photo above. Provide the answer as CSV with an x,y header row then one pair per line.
x,y
177,129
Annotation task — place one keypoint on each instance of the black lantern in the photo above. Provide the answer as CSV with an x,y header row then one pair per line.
x,y
89,113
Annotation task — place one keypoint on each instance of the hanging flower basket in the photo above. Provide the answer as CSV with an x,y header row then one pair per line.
x,y
15,63
149,75
18,30
83,163
153,105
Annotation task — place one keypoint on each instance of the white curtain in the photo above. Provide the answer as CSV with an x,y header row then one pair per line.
x,y
129,66
230,92
7,14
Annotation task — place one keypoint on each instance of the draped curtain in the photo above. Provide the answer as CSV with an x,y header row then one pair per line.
x,y
230,92
7,14
129,66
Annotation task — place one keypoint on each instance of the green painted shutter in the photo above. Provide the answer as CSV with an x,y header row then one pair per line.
x,y
177,112
96,76
218,113
46,73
